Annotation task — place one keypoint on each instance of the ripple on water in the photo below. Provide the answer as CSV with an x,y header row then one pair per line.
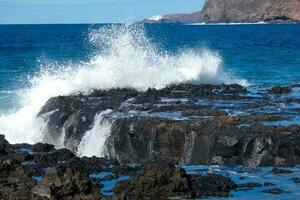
x,y
259,175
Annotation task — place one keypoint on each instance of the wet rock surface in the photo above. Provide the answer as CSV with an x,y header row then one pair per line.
x,y
281,171
189,124
22,176
25,175
71,177
275,191
162,181
216,125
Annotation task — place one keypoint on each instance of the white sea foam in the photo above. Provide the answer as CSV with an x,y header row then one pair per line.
x,y
156,18
129,59
93,142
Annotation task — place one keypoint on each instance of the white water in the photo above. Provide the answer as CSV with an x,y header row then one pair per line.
x,y
93,143
129,60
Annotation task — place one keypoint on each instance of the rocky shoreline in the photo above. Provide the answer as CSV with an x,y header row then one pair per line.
x,y
238,11
144,139
188,124
41,172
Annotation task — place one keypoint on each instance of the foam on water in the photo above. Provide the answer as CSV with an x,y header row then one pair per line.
x,y
127,59
93,143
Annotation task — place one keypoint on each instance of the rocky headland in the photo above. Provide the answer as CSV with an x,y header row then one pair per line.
x,y
238,11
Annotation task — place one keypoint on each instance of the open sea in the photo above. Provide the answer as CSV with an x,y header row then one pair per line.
x,y
38,62
259,54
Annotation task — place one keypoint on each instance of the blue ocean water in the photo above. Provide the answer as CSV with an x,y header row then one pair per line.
x,y
262,54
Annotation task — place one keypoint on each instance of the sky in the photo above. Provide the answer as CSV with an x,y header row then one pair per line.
x,y
89,11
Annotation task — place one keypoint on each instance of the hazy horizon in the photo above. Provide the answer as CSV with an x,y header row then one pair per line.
x,y
90,11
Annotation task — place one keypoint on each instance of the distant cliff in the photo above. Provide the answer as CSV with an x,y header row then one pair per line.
x,y
238,11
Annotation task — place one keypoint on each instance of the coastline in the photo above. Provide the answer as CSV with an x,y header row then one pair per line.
x,y
141,128
41,171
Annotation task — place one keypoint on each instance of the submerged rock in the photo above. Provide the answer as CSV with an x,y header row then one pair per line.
x,y
296,180
249,186
281,90
281,171
275,191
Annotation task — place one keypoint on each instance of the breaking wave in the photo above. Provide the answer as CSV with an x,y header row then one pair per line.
x,y
127,59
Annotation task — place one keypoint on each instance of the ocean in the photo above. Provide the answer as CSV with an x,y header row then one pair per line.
x,y
38,62
261,54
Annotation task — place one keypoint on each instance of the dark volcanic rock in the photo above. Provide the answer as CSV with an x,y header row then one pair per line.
x,y
161,180
275,191
54,157
5,147
296,180
185,123
281,90
70,185
17,182
137,139
73,115
281,171
249,186
88,165
59,175
41,147
269,184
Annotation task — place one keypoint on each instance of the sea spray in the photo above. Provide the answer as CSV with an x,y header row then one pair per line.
x,y
126,58
93,142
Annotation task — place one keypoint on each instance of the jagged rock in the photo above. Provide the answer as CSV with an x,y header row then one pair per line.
x,y
281,90
75,185
52,178
54,157
5,147
182,123
296,180
88,165
42,190
269,184
275,191
41,147
276,170
75,114
21,157
161,180
249,186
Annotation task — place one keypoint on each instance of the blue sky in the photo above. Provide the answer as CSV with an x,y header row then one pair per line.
x,y
89,11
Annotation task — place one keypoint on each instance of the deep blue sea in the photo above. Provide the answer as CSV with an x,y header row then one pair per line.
x,y
261,54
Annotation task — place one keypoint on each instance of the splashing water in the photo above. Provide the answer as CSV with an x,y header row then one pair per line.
x,y
93,142
127,59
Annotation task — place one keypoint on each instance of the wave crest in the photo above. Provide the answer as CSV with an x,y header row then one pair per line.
x,y
126,58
